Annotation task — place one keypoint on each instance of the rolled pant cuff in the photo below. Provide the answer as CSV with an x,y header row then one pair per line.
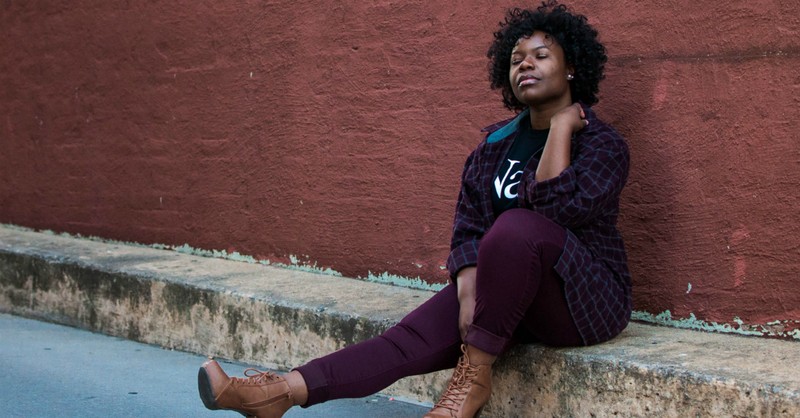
x,y
485,340
316,383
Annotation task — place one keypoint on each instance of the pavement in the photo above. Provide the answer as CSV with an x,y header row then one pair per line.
x,y
52,370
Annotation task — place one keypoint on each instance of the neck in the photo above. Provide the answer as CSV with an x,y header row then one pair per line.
x,y
541,114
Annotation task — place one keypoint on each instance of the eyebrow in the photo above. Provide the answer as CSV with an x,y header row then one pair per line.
x,y
515,50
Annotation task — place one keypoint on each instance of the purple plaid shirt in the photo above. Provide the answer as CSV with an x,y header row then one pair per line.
x,y
584,199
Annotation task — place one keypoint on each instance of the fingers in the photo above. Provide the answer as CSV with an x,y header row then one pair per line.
x,y
462,328
583,114
580,110
465,316
567,116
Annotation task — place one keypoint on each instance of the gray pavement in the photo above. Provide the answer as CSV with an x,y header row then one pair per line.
x,y
48,370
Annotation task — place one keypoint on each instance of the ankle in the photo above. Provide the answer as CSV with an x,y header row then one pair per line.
x,y
478,357
297,385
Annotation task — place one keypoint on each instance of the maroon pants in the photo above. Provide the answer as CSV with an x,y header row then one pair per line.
x,y
519,297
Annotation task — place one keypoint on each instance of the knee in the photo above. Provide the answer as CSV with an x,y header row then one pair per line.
x,y
514,227
520,229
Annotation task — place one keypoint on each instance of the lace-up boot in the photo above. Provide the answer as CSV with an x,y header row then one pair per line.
x,y
260,394
468,391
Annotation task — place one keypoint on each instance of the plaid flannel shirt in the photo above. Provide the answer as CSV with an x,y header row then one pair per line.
x,y
584,199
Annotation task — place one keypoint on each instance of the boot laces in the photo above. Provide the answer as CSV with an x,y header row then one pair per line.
x,y
256,377
459,386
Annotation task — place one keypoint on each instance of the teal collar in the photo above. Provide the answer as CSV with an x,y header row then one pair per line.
x,y
509,128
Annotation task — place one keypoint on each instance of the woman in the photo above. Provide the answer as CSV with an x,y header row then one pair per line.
x,y
536,255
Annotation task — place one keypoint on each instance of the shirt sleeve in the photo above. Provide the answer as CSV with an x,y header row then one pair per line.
x,y
585,190
468,225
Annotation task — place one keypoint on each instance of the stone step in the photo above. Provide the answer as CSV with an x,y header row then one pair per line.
x,y
280,318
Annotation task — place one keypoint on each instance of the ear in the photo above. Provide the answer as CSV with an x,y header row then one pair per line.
x,y
570,69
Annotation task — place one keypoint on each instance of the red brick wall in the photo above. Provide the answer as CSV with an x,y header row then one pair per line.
x,y
336,131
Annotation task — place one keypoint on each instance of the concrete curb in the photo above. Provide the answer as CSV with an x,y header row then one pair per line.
x,y
281,318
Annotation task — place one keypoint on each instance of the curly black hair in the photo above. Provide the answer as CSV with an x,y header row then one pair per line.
x,y
571,31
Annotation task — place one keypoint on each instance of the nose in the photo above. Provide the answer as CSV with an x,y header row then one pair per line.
x,y
526,64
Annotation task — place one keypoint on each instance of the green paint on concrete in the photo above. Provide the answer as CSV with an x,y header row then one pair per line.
x,y
187,249
310,268
768,330
236,256
412,283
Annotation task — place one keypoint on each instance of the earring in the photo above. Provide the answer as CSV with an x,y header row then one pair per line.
x,y
570,77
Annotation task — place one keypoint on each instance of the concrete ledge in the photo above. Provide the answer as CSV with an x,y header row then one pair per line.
x,y
282,318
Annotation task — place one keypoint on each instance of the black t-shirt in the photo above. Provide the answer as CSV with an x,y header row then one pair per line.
x,y
528,143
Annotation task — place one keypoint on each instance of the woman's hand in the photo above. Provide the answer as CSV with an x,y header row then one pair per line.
x,y
466,298
571,117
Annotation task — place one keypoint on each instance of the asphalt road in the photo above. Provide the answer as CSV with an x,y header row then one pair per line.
x,y
49,370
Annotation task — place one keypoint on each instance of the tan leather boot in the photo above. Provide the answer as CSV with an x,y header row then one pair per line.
x,y
260,394
468,391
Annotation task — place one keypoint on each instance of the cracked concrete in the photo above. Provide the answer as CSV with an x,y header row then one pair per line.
x,y
281,318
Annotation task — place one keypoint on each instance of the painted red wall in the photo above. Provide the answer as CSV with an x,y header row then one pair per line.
x,y
336,132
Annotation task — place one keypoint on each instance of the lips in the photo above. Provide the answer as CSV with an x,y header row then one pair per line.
x,y
527,80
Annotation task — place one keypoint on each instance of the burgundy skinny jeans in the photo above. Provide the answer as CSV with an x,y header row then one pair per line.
x,y
519,298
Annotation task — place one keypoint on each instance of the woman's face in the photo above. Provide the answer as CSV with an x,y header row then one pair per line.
x,y
539,71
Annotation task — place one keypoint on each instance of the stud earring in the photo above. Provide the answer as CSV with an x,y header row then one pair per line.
x,y
570,77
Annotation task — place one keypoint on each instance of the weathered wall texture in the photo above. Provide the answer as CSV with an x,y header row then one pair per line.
x,y
336,131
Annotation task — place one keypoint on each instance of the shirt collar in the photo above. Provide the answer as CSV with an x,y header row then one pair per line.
x,y
503,129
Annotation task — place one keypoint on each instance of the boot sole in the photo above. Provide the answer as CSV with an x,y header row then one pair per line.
x,y
204,386
207,394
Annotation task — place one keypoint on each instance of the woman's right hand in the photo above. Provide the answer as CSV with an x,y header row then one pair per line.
x,y
466,298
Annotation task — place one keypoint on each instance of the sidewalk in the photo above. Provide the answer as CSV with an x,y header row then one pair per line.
x,y
280,318
56,371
